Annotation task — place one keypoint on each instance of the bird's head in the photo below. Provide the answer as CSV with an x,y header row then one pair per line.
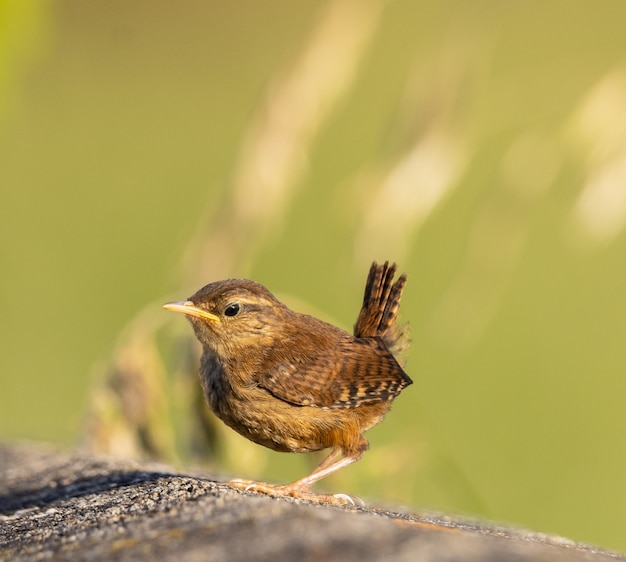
x,y
232,315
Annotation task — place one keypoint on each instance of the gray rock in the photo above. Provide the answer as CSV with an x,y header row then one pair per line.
x,y
72,506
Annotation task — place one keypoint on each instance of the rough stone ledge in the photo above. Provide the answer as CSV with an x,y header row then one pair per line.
x,y
72,506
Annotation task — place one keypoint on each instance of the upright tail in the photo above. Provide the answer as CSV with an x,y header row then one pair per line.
x,y
381,305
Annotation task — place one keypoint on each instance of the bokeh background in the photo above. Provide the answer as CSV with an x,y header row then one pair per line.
x,y
149,147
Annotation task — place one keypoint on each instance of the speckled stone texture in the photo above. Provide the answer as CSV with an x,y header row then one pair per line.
x,y
57,505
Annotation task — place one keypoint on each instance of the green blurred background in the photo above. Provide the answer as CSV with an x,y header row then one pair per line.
x,y
149,147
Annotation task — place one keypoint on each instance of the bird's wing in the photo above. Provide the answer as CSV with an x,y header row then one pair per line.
x,y
356,372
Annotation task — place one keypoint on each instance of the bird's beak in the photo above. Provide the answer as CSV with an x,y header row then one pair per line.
x,y
190,309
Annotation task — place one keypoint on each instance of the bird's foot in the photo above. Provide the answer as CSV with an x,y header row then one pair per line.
x,y
289,491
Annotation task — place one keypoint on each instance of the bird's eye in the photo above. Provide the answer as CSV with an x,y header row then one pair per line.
x,y
231,310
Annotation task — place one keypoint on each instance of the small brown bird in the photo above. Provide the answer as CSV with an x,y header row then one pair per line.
x,y
292,382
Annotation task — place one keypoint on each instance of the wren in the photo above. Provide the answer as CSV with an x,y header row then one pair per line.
x,y
294,383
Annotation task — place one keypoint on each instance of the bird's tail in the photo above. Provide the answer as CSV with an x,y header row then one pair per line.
x,y
381,305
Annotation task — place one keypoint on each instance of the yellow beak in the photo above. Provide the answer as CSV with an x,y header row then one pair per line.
x,y
190,309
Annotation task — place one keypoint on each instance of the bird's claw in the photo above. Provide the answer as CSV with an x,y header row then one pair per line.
x,y
291,492
352,500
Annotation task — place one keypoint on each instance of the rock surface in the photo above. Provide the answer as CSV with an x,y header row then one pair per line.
x,y
71,506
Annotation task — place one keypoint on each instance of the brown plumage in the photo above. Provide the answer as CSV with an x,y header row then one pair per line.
x,y
291,382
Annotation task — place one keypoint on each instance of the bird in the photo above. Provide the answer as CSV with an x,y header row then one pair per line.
x,y
294,383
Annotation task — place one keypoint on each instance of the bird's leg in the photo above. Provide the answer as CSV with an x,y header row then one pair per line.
x,y
301,488
332,463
